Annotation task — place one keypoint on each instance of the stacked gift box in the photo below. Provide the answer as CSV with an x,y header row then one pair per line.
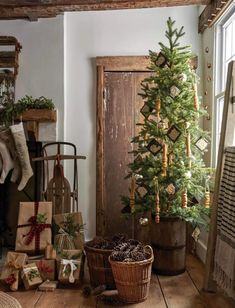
x,y
36,261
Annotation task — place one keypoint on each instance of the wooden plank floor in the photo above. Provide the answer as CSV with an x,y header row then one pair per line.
x,y
182,291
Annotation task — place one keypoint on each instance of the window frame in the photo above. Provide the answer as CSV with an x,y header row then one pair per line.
x,y
220,72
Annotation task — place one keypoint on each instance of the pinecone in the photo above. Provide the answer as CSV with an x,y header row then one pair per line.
x,y
137,256
86,291
97,242
107,245
121,247
133,242
119,238
118,255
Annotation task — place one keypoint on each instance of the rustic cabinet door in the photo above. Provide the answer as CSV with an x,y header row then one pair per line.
x,y
121,113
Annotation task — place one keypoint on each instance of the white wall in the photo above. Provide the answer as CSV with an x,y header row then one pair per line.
x,y
92,34
41,62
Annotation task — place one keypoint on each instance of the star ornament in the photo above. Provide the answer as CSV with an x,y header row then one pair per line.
x,y
154,147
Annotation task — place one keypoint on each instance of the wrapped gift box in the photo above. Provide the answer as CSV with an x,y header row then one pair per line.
x,y
69,264
46,269
31,276
63,241
34,227
48,286
71,224
50,252
11,269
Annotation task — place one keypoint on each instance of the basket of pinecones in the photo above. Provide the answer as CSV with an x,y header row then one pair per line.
x,y
98,251
131,264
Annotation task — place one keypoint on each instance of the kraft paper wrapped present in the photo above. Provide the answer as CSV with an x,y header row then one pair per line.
x,y
50,252
69,265
70,224
46,269
63,240
48,286
34,227
11,270
31,276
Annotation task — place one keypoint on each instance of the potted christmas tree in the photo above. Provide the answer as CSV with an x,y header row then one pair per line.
x,y
168,175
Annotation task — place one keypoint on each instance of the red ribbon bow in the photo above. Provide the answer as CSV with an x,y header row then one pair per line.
x,y
35,230
10,279
43,267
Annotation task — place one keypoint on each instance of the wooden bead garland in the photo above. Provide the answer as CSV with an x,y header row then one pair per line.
x,y
196,104
207,200
158,108
132,194
170,158
164,160
157,215
188,146
184,199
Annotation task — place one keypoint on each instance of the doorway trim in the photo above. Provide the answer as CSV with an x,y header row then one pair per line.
x,y
108,64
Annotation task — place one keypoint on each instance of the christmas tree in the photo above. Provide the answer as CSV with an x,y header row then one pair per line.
x,y
168,175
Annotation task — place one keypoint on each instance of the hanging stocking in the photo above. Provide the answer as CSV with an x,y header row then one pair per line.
x,y
22,153
6,160
7,138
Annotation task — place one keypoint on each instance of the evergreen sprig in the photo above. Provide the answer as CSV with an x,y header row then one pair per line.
x,y
70,226
10,110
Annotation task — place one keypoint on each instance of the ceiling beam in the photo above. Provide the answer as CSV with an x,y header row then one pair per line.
x,y
87,2
12,9
211,13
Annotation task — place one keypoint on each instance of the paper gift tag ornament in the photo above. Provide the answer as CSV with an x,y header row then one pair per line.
x,y
138,159
173,133
146,110
182,77
142,191
154,147
201,144
170,189
161,60
163,124
174,91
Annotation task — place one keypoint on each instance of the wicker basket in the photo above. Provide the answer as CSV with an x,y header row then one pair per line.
x,y
133,278
99,267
